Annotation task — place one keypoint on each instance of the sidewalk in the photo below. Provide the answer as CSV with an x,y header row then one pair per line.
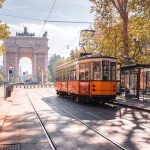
x,y
19,126
1,92
134,102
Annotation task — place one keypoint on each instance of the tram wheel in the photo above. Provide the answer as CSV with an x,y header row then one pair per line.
x,y
57,93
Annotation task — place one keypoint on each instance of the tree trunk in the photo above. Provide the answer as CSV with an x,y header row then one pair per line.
x,y
125,37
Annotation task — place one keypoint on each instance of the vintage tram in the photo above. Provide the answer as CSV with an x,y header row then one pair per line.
x,y
88,78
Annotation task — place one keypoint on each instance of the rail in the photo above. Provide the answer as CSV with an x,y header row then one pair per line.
x,y
49,138
93,129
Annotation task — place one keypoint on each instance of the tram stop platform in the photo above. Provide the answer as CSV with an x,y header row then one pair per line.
x,y
141,104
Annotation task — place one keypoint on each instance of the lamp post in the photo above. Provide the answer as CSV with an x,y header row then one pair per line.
x,y
138,50
138,47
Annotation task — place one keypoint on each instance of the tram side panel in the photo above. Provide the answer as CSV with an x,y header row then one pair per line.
x,y
103,90
58,85
73,87
84,87
64,87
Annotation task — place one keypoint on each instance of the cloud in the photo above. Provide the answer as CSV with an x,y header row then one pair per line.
x,y
59,35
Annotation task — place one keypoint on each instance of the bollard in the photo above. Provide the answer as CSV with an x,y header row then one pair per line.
x,y
9,90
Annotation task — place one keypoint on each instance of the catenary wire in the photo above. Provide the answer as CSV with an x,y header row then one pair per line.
x,y
52,21
48,15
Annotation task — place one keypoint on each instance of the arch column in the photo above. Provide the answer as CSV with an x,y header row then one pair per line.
x,y
16,68
34,67
5,68
46,67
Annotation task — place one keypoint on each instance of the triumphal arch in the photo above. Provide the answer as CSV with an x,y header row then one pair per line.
x,y
25,44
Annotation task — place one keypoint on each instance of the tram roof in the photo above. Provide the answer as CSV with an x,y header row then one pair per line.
x,y
87,57
132,66
96,56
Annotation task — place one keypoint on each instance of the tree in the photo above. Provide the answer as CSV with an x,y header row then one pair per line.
x,y
113,12
1,75
4,32
53,62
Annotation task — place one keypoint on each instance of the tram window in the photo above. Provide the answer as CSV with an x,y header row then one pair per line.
x,y
113,71
61,75
148,80
71,73
67,74
82,72
69,78
56,77
96,70
87,71
74,72
105,70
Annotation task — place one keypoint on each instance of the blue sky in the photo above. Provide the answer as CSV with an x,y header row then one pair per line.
x,y
59,34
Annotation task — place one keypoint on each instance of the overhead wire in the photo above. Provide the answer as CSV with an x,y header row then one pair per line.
x,y
74,39
48,16
52,21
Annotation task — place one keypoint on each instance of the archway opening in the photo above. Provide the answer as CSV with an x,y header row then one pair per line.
x,y
25,70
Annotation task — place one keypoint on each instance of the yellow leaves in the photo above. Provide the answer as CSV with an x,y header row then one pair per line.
x,y
4,31
1,2
2,49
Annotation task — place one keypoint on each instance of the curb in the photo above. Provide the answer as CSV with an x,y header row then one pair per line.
x,y
133,107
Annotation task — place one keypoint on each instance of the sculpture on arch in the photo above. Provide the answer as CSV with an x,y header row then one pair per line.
x,y
25,33
44,34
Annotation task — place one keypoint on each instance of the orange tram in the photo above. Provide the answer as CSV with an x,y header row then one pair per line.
x,y
88,78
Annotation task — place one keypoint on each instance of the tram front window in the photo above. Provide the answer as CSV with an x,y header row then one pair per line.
x,y
113,71
105,70
96,70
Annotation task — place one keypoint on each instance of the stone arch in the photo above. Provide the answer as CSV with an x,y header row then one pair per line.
x,y
34,48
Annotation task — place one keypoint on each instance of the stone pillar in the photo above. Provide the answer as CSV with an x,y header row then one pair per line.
x,y
46,67
34,72
5,72
16,68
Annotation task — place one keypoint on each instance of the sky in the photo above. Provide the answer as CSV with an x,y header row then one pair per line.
x,y
59,34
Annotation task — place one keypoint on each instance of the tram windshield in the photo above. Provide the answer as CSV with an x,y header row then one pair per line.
x,y
104,70
97,71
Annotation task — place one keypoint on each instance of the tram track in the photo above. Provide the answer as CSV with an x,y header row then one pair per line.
x,y
119,106
88,126
49,138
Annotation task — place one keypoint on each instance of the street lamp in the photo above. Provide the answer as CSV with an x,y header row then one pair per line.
x,y
138,50
138,47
